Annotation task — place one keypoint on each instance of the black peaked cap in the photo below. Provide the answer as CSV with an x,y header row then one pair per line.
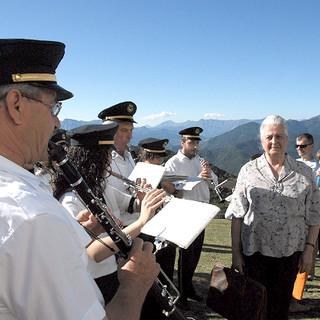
x,y
59,136
33,62
192,133
93,135
123,111
156,146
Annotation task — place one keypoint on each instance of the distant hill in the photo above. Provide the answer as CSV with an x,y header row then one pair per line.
x,y
240,134
69,124
169,129
311,125
232,157
227,144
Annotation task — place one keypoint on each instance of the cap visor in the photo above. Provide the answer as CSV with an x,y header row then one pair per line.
x,y
62,94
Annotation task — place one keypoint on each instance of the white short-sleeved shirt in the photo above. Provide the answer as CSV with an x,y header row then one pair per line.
x,y
181,165
115,200
276,213
43,260
313,164
123,166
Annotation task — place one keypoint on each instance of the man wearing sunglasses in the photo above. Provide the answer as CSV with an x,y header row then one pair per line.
x,y
304,146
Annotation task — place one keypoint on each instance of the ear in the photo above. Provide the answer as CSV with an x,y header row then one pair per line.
x,y
15,105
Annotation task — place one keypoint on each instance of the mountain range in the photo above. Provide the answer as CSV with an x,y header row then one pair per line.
x,y
228,144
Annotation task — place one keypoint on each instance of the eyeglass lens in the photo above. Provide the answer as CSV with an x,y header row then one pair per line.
x,y
302,146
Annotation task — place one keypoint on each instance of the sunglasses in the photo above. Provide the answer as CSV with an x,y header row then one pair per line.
x,y
302,146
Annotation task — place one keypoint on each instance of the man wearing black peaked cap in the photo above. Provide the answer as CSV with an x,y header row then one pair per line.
x,y
32,222
122,160
187,162
89,151
154,150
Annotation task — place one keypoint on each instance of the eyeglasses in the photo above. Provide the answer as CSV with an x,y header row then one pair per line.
x,y
55,108
302,146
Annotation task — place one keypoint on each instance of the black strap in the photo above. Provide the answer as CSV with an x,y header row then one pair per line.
x,y
131,203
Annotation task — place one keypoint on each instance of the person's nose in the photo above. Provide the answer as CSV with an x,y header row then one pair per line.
x,y
274,140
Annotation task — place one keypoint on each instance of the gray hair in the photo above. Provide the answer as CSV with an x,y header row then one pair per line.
x,y
24,88
109,121
274,120
308,136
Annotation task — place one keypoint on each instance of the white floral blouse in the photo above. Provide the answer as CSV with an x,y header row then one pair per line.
x,y
276,213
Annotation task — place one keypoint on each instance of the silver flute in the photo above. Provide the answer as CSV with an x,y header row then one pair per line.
x,y
135,186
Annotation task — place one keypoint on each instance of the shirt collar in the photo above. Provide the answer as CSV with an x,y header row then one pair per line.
x,y
16,170
288,167
181,156
115,154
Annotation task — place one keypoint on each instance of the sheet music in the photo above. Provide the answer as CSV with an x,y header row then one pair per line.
x,y
181,221
151,172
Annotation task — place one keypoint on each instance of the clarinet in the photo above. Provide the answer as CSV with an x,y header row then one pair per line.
x,y
99,210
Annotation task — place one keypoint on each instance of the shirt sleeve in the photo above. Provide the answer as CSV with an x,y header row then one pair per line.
x,y
47,275
239,205
72,203
122,199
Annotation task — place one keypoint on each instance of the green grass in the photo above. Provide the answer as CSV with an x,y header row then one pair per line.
x,y
217,249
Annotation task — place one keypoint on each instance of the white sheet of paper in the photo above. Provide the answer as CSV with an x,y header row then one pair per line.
x,y
191,182
188,184
181,221
151,172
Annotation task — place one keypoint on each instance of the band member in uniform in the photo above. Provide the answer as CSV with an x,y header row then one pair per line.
x,y
43,269
153,151
187,162
90,152
122,161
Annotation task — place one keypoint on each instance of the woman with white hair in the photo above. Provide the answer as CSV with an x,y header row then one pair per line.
x,y
275,218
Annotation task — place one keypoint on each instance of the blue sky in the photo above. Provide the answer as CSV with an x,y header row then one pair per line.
x,y
180,59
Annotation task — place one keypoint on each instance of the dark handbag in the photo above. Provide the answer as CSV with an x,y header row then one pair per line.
x,y
235,296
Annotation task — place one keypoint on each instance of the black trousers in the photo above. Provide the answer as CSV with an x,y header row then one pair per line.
x,y
278,276
187,263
